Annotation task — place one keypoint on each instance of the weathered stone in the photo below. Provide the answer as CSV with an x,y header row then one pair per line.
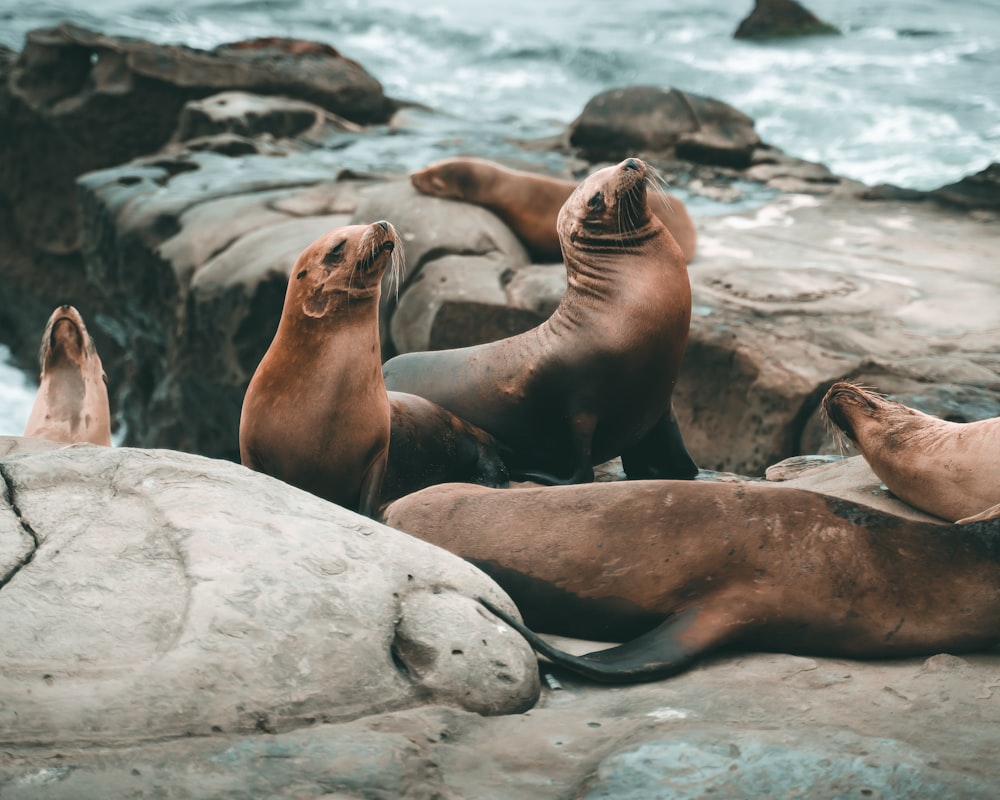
x,y
76,101
807,291
743,724
774,19
252,115
621,122
171,595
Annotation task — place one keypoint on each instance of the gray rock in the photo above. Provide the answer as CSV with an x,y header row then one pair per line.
x,y
170,595
76,100
781,19
620,122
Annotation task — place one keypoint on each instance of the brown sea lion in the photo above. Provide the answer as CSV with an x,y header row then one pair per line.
x,y
529,203
949,469
316,412
428,445
677,569
72,400
594,380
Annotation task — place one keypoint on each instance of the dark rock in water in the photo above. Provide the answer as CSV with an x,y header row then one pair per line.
x,y
75,100
772,19
622,122
981,190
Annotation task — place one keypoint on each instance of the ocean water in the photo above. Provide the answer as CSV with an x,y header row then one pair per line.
x,y
910,94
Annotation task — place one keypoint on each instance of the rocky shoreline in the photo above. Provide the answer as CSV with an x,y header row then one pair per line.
x,y
166,192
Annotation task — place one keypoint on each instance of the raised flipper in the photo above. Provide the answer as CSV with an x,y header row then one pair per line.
x,y
655,654
661,453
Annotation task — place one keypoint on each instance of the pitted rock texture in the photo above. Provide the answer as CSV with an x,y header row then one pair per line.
x,y
742,725
170,595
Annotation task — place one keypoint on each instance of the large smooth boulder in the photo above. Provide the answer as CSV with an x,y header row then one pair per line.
x,y
148,594
76,100
637,119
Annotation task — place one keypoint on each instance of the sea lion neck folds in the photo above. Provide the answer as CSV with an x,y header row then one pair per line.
x,y
595,380
316,412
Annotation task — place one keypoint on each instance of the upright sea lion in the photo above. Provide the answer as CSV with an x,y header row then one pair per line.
x,y
677,569
595,380
428,444
949,469
72,400
529,203
316,412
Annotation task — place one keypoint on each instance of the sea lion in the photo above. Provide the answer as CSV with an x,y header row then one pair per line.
x,y
529,203
949,469
316,412
428,444
678,569
72,400
594,380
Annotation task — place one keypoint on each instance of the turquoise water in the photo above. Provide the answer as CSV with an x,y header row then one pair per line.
x,y
910,94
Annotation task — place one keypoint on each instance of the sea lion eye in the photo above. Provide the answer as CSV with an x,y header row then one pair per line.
x,y
335,255
596,203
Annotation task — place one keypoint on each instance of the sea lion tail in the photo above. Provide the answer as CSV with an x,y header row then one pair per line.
x,y
653,655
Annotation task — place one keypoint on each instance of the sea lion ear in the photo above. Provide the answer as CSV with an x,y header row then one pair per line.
x,y
335,254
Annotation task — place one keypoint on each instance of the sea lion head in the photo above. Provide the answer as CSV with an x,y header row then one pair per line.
x,y
72,402
66,343
856,411
610,202
345,265
452,178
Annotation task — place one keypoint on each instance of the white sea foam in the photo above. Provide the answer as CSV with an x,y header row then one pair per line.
x,y
17,393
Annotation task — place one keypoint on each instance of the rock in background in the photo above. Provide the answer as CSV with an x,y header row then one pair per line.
x,y
75,100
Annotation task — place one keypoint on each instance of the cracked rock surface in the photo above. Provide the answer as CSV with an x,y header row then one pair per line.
x,y
170,595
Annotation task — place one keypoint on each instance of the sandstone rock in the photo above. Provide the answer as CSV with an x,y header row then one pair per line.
x,y
253,115
621,122
745,724
76,100
772,19
170,595
810,290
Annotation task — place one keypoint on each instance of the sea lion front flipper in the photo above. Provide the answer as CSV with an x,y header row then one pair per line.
x,y
661,453
655,654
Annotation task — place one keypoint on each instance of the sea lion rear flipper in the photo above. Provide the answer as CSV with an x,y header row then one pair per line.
x,y
990,513
655,654
661,453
